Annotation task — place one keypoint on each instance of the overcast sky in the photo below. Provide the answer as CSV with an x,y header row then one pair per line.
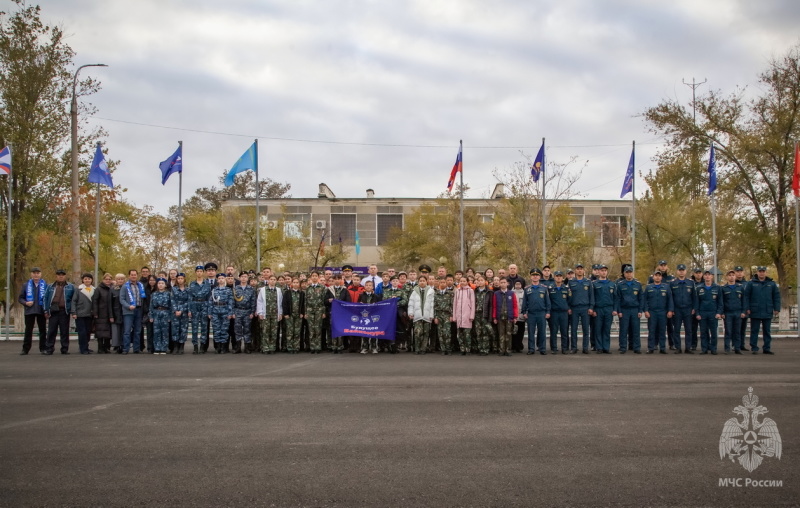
x,y
355,75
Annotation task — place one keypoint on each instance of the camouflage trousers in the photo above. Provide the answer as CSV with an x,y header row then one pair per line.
x,y
269,333
483,334
160,329
219,325
335,343
293,325
464,338
422,330
314,321
199,321
180,328
444,331
241,325
505,329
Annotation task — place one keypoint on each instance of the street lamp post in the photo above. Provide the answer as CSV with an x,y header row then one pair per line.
x,y
75,219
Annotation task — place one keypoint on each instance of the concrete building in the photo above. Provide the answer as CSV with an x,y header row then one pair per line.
x,y
374,218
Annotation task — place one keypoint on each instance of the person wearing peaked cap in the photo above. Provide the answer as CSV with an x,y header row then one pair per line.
x,y
347,275
211,265
763,303
733,311
741,279
536,310
684,301
535,271
658,310
31,297
559,313
424,269
709,311
579,265
603,309
629,303
199,291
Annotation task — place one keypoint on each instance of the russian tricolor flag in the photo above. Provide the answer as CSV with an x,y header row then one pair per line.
x,y
456,169
5,160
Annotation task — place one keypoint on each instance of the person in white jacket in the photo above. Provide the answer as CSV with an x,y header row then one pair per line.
x,y
269,307
420,310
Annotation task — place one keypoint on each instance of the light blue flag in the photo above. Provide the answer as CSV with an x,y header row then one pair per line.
x,y
99,171
247,162
358,244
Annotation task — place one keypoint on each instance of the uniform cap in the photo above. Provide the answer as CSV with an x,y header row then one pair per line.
x,y
347,267
199,267
601,266
697,270
243,273
35,269
579,265
61,271
662,262
762,269
210,266
681,267
181,274
571,270
707,272
221,275
162,279
628,268
535,271
424,269
738,268
558,273
730,272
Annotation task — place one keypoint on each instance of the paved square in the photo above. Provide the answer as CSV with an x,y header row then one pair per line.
x,y
388,430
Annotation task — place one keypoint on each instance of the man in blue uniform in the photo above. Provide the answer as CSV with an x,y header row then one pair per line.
x,y
199,290
559,313
764,302
220,311
709,311
630,303
581,298
657,309
741,279
733,311
684,298
603,309
536,310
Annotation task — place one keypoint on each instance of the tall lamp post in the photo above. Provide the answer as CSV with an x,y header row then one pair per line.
x,y
75,222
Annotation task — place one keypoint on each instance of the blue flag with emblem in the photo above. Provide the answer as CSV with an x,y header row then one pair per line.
x,y
712,171
358,244
174,164
627,185
538,164
99,172
371,320
247,162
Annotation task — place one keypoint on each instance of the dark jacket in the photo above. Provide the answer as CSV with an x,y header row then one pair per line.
x,y
763,298
116,305
82,304
484,303
102,311
294,302
369,298
37,307
69,289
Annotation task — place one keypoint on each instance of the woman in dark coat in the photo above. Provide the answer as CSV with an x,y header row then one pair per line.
x,y
146,324
103,314
116,328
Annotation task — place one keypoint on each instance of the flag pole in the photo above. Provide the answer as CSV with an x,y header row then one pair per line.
x,y
633,214
544,208
796,176
714,224
180,211
8,252
461,203
97,234
258,212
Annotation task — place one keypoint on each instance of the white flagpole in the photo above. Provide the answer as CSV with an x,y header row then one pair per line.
x,y
258,214
461,202
8,252
544,207
797,234
180,211
633,212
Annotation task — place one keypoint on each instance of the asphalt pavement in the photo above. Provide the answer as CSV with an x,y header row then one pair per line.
x,y
390,430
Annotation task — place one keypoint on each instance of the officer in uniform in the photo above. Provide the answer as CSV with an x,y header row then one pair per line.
x,y
630,304
666,278
220,311
211,279
733,311
697,278
592,317
740,278
658,309
764,302
180,306
603,309
709,311
581,298
684,298
536,310
559,313
160,315
244,308
315,312
199,291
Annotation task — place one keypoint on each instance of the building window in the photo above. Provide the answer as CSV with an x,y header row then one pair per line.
x,y
343,228
294,229
486,218
386,223
614,230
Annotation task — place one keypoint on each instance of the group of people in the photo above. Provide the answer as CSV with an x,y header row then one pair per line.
x,y
465,312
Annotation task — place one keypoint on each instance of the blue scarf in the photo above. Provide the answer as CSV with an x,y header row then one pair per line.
x,y
29,291
142,295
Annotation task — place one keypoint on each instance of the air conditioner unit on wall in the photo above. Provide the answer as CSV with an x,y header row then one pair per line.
x,y
321,224
272,224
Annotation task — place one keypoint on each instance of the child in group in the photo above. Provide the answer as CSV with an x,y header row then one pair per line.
x,y
369,296
269,308
244,308
464,313
443,315
220,311
180,306
504,314
420,311
160,315
294,309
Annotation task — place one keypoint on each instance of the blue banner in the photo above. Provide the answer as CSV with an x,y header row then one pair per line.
x,y
371,320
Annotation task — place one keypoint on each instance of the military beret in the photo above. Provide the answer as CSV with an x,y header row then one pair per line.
x,y
221,275
162,279
628,268
558,273
209,266
347,267
61,271
243,273
662,262
738,268
424,268
181,274
762,269
681,267
579,265
199,267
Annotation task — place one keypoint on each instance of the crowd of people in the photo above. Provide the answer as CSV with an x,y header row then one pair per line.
x,y
466,312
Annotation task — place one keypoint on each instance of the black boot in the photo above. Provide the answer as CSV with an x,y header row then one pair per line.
x,y
195,349
237,347
248,348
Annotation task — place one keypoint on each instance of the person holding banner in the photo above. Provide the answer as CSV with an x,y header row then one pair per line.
x,y
420,311
369,296
336,291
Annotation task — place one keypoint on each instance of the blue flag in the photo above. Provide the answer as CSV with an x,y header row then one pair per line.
x,y
358,244
174,164
371,320
99,171
627,185
712,171
538,164
248,161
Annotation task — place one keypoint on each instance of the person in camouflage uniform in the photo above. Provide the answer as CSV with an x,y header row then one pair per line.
x,y
395,291
443,314
199,291
244,308
294,310
160,314
270,311
180,307
315,312
420,310
220,310
483,315
337,291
